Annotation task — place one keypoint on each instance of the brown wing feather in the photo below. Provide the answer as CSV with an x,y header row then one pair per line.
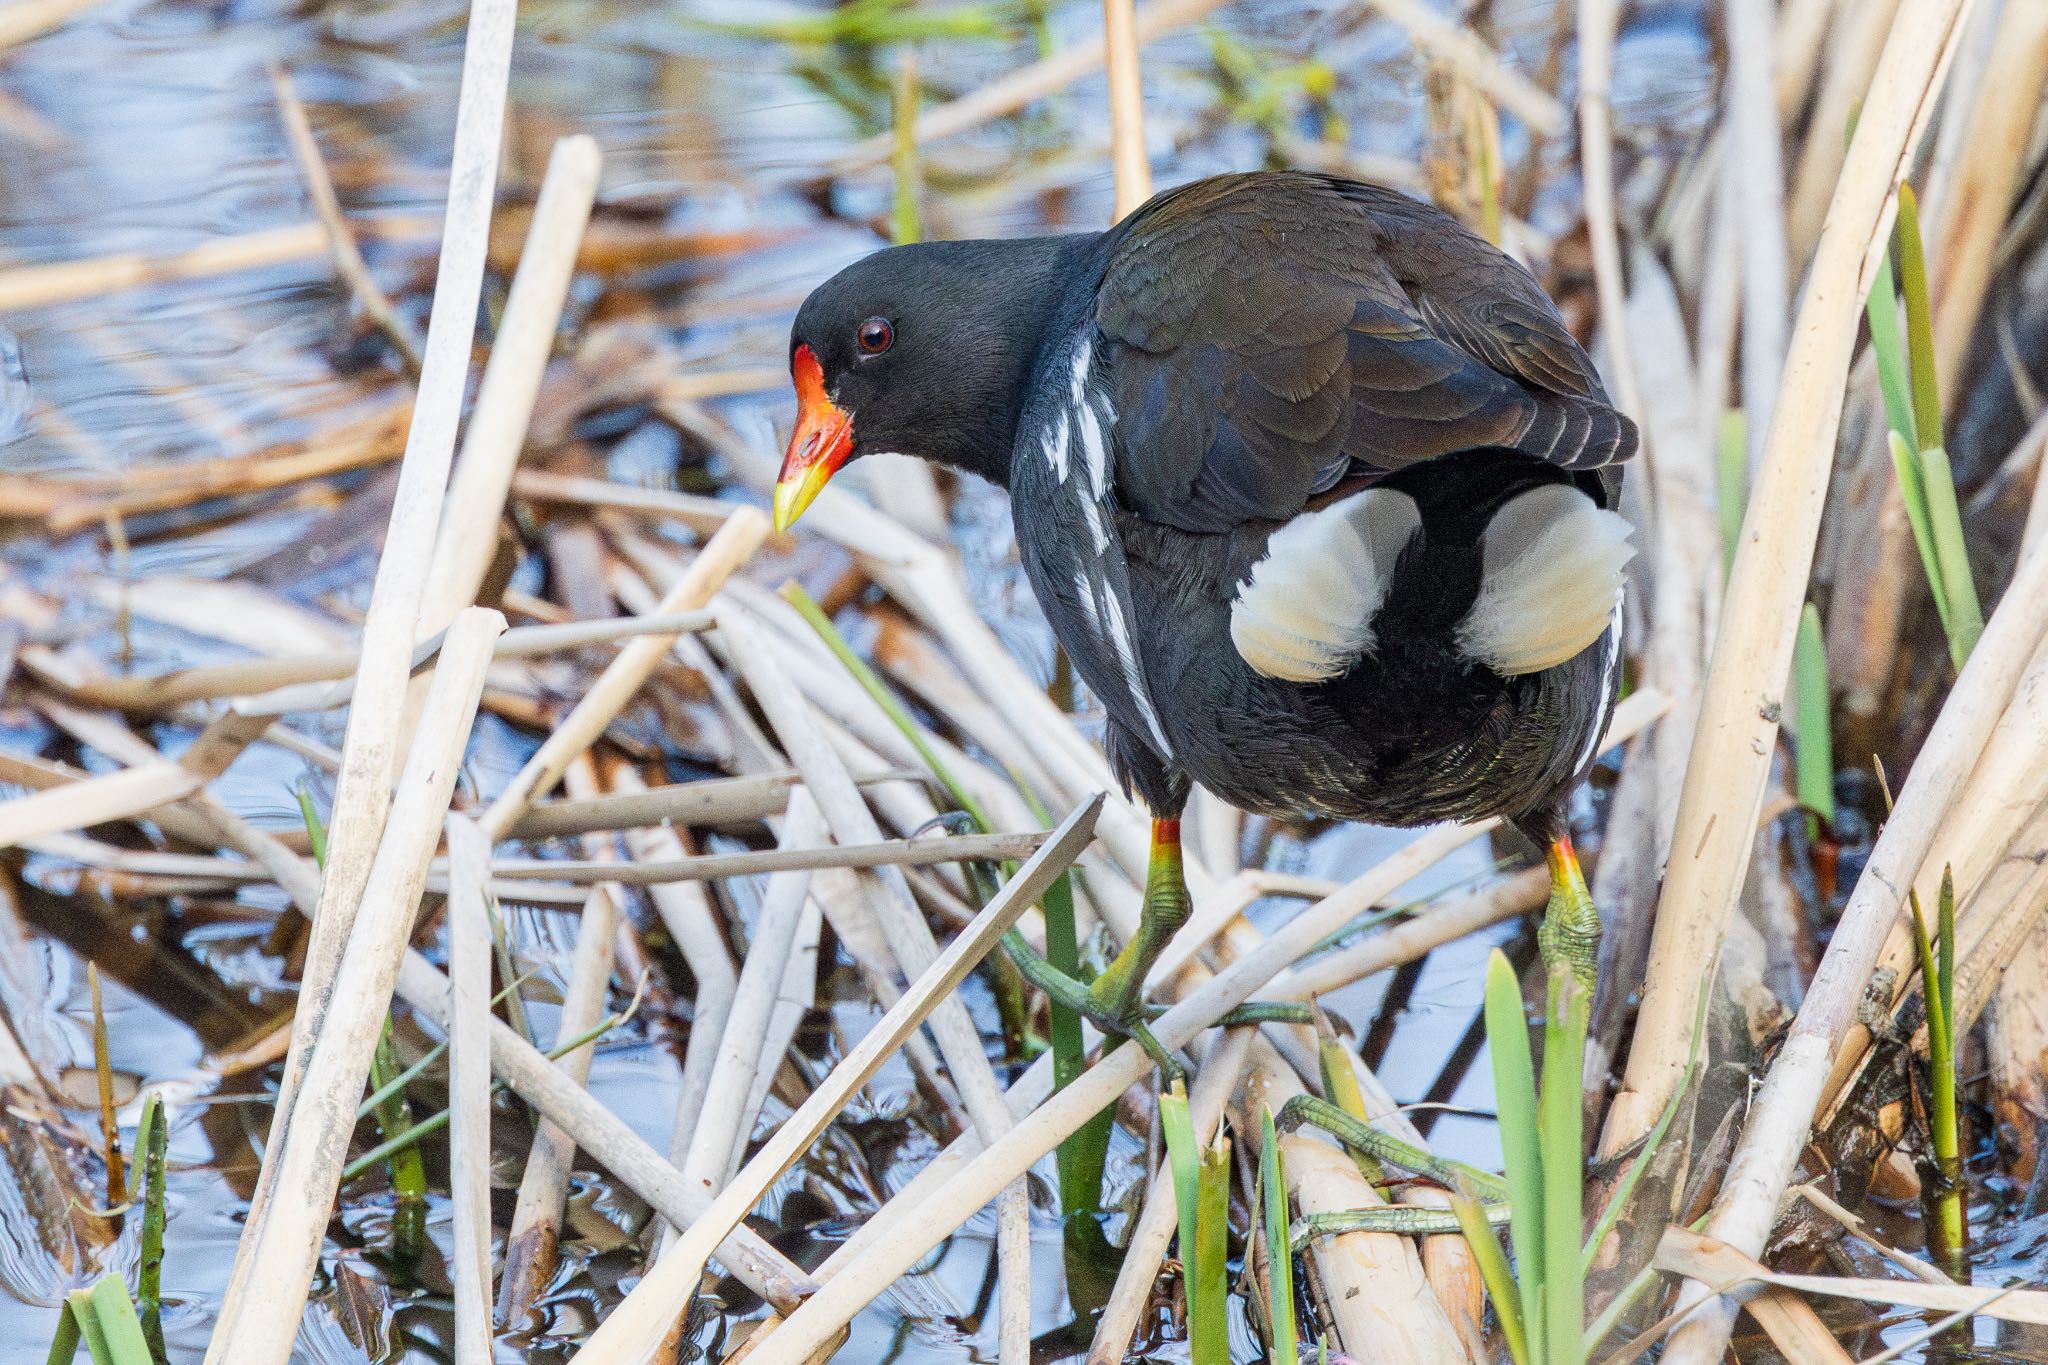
x,y
1263,335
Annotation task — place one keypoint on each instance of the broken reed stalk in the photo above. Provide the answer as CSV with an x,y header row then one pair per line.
x,y
1126,106
309,1140
1597,20
1741,703
733,544
909,937
1974,210
718,1139
505,398
370,748
643,1318
341,241
1754,161
531,1075
531,1236
469,1087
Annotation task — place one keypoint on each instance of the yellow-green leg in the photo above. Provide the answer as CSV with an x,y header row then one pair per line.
x,y
1115,1002
1570,931
1119,993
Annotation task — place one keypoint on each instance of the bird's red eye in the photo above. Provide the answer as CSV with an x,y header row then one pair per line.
x,y
875,335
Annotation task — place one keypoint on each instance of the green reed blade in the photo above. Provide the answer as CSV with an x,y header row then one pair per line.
x,y
1279,1254
1514,1088
1493,1270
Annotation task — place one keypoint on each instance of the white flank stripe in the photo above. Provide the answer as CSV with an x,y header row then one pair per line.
x,y
1092,448
1054,439
1091,512
1084,357
1127,656
1607,670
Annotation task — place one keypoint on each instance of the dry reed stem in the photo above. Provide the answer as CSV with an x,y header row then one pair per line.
x,y
341,241
1801,34
734,543
693,510
40,286
640,1322
1126,107
1217,1080
909,938
531,1236
276,686
370,750
1379,1299
153,781
719,1140
2004,915
309,1140
1597,20
1974,211
532,1076
1458,46
96,801
1784,1108
376,439
469,1087
511,383
1520,893
1852,59
1684,1252
632,805
921,851
1741,703
27,19
1024,86
1755,161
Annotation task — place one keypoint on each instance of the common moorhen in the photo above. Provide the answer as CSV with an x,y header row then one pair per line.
x,y
1311,482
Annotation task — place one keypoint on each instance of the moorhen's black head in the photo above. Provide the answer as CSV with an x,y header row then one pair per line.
x,y
923,350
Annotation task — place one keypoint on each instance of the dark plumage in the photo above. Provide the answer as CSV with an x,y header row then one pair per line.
x,y
1259,439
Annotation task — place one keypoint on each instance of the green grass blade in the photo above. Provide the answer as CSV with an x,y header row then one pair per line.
x,y
1561,1139
1183,1160
1732,466
69,1337
152,1139
1340,1087
1815,755
1493,1270
1209,1282
115,1332
1514,1088
1919,323
1887,343
906,224
1913,493
1279,1255
1964,616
